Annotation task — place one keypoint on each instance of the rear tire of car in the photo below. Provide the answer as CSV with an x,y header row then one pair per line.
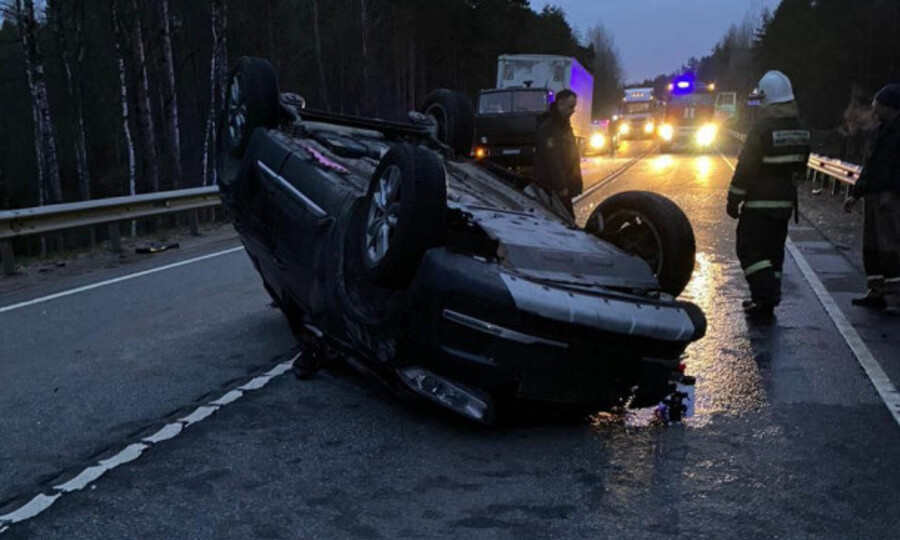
x,y
455,117
652,227
252,94
410,216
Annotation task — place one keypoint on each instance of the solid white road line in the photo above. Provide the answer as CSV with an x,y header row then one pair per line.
x,y
93,286
43,501
879,379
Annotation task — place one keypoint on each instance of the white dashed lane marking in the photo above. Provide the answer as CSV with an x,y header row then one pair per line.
x,y
879,379
43,501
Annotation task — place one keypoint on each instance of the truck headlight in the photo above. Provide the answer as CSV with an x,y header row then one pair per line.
x,y
666,132
649,127
598,141
624,129
707,135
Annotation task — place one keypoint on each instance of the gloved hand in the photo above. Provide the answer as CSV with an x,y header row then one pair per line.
x,y
733,208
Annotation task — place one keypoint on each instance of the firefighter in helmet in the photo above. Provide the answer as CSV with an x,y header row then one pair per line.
x,y
763,192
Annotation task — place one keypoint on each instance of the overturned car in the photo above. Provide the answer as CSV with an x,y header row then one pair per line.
x,y
384,244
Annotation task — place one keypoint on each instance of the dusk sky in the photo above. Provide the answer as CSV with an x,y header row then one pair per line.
x,y
656,36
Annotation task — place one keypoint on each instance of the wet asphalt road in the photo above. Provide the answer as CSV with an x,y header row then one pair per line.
x,y
790,439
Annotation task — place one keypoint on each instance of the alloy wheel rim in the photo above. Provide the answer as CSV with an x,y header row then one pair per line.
x,y
384,214
237,110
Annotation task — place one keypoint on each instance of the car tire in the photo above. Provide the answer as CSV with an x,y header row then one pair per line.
x,y
653,228
251,101
403,216
455,118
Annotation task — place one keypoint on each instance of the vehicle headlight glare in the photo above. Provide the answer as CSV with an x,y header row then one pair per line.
x,y
598,141
649,127
624,129
666,132
707,135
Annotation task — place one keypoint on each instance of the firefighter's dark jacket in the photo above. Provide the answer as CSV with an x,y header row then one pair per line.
x,y
557,164
773,160
881,171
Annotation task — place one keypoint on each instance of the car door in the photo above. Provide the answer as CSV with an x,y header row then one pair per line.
x,y
302,243
258,211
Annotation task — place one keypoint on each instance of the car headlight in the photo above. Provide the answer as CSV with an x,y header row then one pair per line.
x,y
624,129
666,132
707,135
649,127
598,141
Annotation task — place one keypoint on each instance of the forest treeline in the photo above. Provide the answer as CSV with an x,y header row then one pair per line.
x,y
104,98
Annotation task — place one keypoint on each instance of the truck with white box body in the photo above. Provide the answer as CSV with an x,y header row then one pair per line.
x,y
508,116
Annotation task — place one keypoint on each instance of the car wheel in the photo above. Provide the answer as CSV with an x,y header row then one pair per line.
x,y
405,210
251,101
653,228
455,118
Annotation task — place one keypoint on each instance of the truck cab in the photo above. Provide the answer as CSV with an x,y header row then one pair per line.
x,y
690,120
638,114
507,121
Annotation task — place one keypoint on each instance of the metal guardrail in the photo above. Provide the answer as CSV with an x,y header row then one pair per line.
x,y
826,167
59,217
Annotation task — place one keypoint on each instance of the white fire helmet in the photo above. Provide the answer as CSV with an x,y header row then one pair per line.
x,y
775,87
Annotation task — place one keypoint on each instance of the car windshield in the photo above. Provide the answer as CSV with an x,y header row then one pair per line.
x,y
692,99
636,108
512,102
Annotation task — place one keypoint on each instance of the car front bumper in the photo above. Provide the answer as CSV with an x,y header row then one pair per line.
x,y
476,329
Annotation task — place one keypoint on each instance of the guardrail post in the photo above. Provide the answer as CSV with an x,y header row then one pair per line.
x,y
115,237
7,258
193,222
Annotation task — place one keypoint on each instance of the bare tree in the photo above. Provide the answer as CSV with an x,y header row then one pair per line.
x,y
49,187
170,94
317,39
607,68
217,72
365,24
123,94
143,111
72,68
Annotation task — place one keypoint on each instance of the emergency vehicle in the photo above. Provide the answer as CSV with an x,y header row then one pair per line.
x,y
689,121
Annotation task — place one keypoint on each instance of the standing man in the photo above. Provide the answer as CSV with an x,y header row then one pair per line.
x,y
879,185
557,162
763,191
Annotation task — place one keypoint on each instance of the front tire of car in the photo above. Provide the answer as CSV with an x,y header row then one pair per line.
x,y
404,214
251,101
455,118
653,228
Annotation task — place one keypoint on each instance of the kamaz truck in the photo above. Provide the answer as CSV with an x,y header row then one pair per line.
x,y
508,116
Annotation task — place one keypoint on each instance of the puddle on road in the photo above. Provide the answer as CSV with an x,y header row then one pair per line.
x,y
726,363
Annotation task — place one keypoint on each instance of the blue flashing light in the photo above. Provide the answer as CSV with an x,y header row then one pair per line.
x,y
684,85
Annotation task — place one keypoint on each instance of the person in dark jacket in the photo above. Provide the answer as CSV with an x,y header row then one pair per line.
x,y
879,185
557,161
763,192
